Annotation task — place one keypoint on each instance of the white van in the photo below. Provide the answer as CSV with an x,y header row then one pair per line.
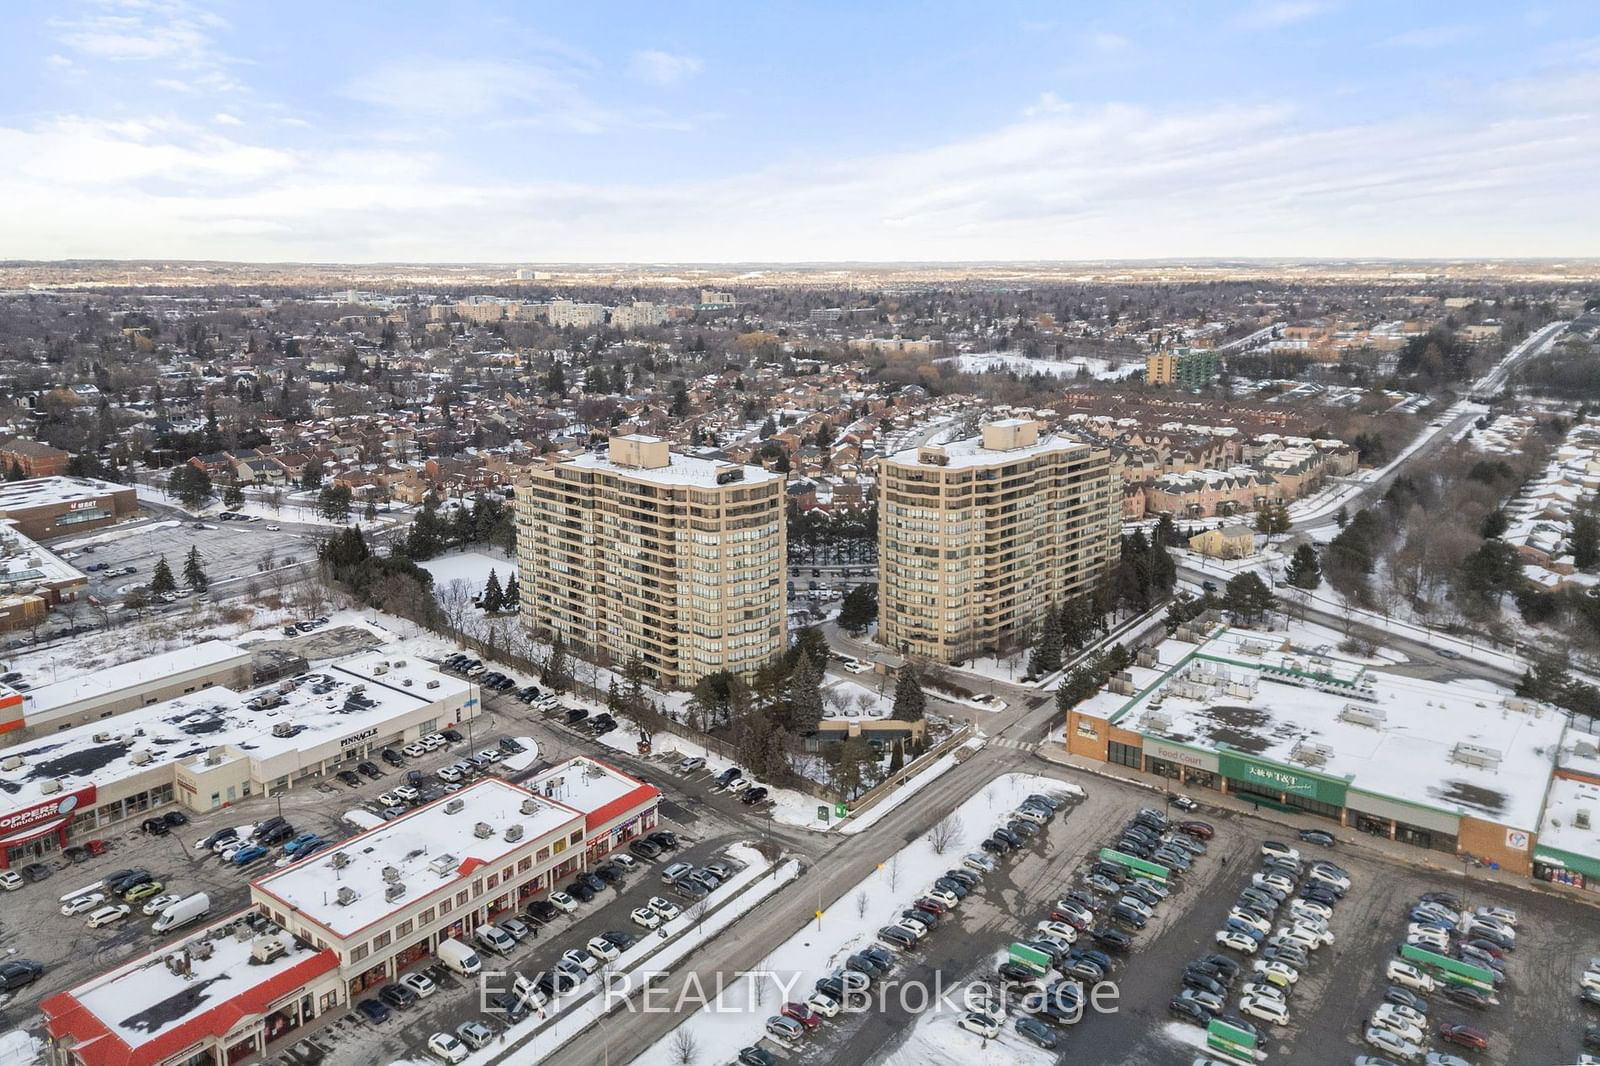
x,y
495,939
459,958
186,910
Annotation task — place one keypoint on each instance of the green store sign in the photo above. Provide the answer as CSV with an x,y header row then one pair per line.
x,y
1275,778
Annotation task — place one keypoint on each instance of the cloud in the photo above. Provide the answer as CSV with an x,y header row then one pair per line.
x,y
222,118
1431,37
1283,13
663,68
1106,41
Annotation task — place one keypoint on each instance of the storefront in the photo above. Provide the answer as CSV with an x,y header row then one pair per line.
x,y
33,832
1283,788
1565,868
1181,763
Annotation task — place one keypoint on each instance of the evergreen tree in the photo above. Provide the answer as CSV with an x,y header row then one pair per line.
x,y
1341,518
557,673
233,495
194,574
191,486
910,705
333,503
808,643
161,580
859,610
311,475
511,598
1046,656
493,599
1303,571
849,772
1495,523
370,512
897,758
804,703
1248,598
15,473
1586,537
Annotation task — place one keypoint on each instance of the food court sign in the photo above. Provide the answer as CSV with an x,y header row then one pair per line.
x,y
1277,778
19,822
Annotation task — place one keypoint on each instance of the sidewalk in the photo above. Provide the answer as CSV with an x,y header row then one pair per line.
x,y
1349,838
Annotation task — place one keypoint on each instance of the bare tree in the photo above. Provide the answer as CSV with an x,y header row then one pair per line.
x,y
455,600
893,872
946,833
685,1048
863,901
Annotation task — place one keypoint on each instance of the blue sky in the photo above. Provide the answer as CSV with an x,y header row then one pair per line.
x,y
529,132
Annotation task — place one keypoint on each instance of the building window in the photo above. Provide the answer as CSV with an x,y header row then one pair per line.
x,y
404,928
494,879
445,907
328,1001
462,897
576,838
426,916
380,941
358,953
522,867
544,853
1124,754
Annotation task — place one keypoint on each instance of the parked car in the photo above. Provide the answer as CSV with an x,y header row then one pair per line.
x,y
373,1010
107,915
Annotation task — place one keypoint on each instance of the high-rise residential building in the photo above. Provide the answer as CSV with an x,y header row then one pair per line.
x,y
978,537
641,314
641,551
1187,368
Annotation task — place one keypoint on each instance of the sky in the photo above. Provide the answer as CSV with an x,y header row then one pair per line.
x,y
530,132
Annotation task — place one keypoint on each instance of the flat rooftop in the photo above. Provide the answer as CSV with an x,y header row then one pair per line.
x,y
601,792
970,452
427,849
682,469
36,492
1570,802
110,679
321,706
1413,753
153,1012
24,562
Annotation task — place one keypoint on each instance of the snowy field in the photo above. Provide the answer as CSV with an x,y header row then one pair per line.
x,y
470,566
112,535
1025,365
849,925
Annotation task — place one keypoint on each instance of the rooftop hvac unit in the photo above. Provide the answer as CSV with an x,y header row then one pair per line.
x,y
139,758
483,830
339,860
1477,755
391,873
102,737
407,682
266,949
443,864
346,896
11,762
283,729
455,806
433,684
514,832
530,806
50,785
379,670
1517,703
394,892
1356,714
1308,753
1157,723
200,949
1580,818
398,663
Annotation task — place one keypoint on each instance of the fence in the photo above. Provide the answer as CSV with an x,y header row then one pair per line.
x,y
870,798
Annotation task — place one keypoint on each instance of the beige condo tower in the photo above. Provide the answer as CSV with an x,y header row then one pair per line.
x,y
642,551
977,537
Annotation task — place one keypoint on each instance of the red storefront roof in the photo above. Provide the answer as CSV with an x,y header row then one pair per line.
x,y
97,1043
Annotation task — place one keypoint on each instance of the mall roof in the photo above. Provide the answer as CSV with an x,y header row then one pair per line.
x,y
601,792
433,846
109,679
319,706
1451,747
144,1012
1571,820
39,491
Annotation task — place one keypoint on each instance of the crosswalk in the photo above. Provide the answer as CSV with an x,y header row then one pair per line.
x,y
1013,745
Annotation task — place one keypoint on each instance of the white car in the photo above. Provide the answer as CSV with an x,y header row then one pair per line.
x,y
602,948
1397,1025
1059,930
1499,914
947,898
627,862
1274,881
431,742
106,915
1265,1009
416,751
1279,973
1409,1015
581,958
646,917
83,903
1430,940
664,908
1590,979
1392,1045
916,930
446,1048
826,1006
982,1024
10,880
1310,908
420,983
389,799
446,773
160,903
1408,976
1228,938
1327,877
1279,850
563,902
1254,921
407,793
1474,924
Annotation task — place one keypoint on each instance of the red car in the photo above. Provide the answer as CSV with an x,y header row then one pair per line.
x,y
1072,919
802,1014
95,847
1463,1036
1198,830
932,906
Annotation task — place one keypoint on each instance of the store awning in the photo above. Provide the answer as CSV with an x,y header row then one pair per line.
x,y
33,832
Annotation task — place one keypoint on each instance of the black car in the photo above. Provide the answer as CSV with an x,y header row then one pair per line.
x,y
619,939
1466,997
175,819
753,796
1320,837
1016,973
1022,827
591,882
729,774
645,849
392,757
1037,1031
369,769
580,892
862,965
1112,939
664,838
1189,1011
1449,899
221,834
1404,997
884,960
1111,871
542,910
452,735
397,996
155,827
414,778
1195,978
1002,833
507,745
995,846
277,834
349,777
966,877
576,715
128,879
608,872
373,1010
952,886
19,973
1127,916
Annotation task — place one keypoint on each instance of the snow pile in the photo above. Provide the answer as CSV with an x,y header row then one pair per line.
x,y
524,759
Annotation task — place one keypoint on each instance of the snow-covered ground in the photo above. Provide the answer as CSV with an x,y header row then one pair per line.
x,y
17,1048
470,566
524,759
112,535
877,811
1061,368
850,924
